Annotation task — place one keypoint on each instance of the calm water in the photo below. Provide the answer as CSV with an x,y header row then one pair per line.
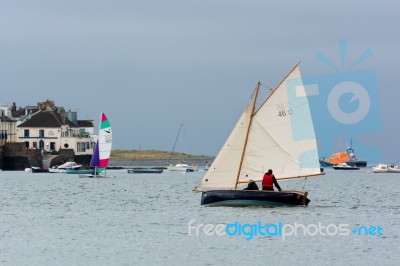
x,y
140,219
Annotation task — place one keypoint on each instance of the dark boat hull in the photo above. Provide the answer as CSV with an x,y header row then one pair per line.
x,y
346,168
357,163
80,171
39,170
145,171
254,198
325,163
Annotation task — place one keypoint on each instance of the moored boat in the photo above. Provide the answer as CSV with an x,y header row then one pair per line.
x,y
380,168
64,167
80,171
35,169
349,157
345,166
384,168
181,167
394,168
144,170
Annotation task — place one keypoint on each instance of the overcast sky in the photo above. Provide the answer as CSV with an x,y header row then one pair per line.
x,y
149,65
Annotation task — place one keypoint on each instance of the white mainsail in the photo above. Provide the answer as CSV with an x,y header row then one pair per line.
x,y
223,171
281,137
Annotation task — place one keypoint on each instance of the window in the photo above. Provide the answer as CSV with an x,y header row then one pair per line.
x,y
80,146
66,145
26,133
52,146
34,144
41,144
41,133
27,144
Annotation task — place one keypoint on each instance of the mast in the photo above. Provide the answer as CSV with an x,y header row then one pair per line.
x,y
247,133
179,136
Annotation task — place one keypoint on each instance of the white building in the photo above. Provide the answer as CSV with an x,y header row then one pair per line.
x,y
46,127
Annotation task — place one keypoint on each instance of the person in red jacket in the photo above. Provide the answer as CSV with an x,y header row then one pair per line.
x,y
269,180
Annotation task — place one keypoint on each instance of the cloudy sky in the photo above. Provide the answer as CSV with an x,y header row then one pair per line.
x,y
150,65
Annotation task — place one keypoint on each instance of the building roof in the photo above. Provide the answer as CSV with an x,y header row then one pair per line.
x,y
18,113
5,119
46,119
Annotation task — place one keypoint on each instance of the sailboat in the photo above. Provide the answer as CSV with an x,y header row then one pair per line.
x,y
277,134
181,166
102,149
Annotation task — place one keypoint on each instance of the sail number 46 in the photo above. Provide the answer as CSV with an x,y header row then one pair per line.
x,y
282,111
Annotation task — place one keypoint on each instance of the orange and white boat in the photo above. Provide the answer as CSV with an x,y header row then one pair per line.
x,y
347,157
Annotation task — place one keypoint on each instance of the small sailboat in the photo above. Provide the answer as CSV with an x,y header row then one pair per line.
x,y
102,150
181,166
277,134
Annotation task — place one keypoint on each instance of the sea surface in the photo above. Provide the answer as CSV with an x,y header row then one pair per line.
x,y
155,219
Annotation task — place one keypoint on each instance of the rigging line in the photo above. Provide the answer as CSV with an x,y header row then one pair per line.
x,y
298,183
267,87
304,186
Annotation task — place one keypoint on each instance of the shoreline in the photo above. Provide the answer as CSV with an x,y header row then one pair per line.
x,y
126,163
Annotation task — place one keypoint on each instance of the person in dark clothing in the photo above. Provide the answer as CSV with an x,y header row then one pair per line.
x,y
269,181
251,186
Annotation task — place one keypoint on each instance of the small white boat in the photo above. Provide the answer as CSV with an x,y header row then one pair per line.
x,y
381,168
384,168
345,166
182,167
394,168
63,168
